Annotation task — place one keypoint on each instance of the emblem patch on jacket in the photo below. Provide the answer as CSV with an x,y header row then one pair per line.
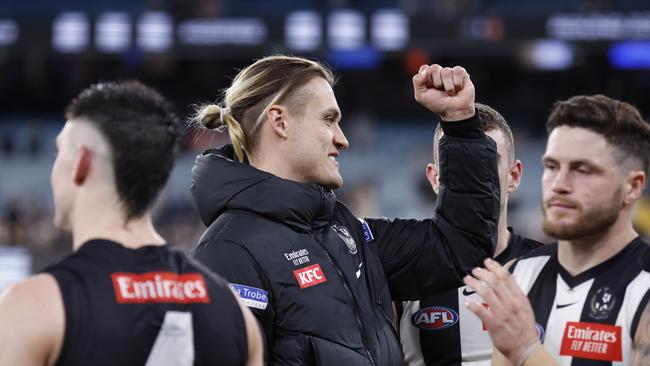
x,y
344,234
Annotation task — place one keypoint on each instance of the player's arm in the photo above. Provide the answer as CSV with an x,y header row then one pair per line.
x,y
422,257
253,335
642,339
32,322
508,317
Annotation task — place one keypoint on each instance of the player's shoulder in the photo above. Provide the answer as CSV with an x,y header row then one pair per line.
x,y
34,301
544,250
33,321
534,259
40,286
642,252
518,247
190,264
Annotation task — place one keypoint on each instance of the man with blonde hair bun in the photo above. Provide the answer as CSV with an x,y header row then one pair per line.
x,y
316,277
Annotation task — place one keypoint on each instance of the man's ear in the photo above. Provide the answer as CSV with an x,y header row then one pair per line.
x,y
433,177
276,115
514,176
82,165
633,187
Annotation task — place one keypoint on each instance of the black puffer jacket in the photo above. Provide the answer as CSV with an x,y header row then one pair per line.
x,y
317,277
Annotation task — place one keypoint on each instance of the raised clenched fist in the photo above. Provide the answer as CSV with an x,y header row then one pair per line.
x,y
447,91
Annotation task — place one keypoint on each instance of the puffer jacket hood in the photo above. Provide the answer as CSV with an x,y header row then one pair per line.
x,y
221,183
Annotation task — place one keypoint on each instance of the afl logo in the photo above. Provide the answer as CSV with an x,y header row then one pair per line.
x,y
434,318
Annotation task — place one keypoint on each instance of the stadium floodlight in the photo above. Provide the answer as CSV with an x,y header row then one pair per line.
x,y
390,30
234,31
70,32
549,55
113,32
8,32
155,32
303,30
346,30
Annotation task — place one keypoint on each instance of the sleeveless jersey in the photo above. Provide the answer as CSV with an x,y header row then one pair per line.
x,y
590,318
440,330
146,306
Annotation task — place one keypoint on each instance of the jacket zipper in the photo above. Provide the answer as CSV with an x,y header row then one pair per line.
x,y
356,305
390,322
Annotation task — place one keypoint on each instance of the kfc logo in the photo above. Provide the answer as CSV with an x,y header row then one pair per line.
x,y
309,276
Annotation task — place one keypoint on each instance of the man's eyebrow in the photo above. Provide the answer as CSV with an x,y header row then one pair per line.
x,y
548,159
333,112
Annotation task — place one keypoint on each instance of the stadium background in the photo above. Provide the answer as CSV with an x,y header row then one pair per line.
x,y
522,56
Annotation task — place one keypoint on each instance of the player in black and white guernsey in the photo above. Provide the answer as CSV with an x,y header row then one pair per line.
x,y
439,330
590,291
123,297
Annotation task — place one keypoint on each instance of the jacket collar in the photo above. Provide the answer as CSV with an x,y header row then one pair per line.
x,y
220,183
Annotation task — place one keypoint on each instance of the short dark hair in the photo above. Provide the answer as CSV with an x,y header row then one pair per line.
x,y
142,131
490,120
620,123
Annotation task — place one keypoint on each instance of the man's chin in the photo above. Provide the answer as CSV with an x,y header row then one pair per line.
x,y
560,232
332,185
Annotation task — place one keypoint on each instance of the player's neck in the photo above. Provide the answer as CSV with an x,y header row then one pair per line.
x,y
504,234
275,162
109,222
579,255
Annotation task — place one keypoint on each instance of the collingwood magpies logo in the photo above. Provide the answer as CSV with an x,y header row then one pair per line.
x,y
602,303
344,234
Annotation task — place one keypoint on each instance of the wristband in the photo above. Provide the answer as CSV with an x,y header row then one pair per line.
x,y
528,352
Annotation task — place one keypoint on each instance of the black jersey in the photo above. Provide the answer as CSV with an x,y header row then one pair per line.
x,y
590,318
146,306
439,330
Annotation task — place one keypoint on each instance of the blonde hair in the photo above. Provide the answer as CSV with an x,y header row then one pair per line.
x,y
268,81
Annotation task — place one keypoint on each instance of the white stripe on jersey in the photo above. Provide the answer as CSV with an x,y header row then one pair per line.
x,y
475,344
528,269
410,336
174,345
571,302
633,295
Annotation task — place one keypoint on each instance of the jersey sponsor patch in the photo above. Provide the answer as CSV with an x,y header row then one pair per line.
x,y
434,318
593,341
310,276
252,297
159,287
367,234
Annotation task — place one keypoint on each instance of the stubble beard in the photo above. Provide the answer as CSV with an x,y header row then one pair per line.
x,y
595,221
